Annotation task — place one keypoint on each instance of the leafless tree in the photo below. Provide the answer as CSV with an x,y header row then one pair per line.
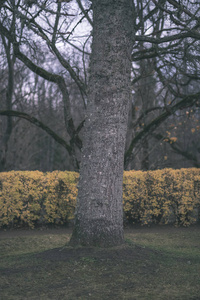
x,y
125,32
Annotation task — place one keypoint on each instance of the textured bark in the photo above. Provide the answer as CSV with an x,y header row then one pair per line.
x,y
99,214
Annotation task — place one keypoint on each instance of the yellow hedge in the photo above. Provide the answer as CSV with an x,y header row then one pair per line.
x,y
162,196
60,197
32,197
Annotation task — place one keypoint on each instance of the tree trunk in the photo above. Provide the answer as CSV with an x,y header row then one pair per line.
x,y
9,94
99,212
145,155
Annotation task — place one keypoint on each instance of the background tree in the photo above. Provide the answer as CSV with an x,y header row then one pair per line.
x,y
19,35
153,24
166,27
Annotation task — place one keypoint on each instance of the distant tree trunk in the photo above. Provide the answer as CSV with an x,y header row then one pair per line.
x,y
9,94
99,213
145,155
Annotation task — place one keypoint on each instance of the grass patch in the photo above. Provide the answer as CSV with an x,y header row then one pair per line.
x,y
152,264
182,242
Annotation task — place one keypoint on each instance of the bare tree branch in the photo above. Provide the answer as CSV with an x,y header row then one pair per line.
x,y
50,77
192,34
176,148
188,101
85,12
39,124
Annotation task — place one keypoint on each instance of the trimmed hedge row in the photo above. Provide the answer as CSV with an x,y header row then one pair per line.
x,y
162,196
31,197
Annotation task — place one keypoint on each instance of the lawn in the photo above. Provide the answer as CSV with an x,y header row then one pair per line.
x,y
155,263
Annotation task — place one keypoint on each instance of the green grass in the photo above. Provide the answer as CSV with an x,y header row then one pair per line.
x,y
152,264
181,242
